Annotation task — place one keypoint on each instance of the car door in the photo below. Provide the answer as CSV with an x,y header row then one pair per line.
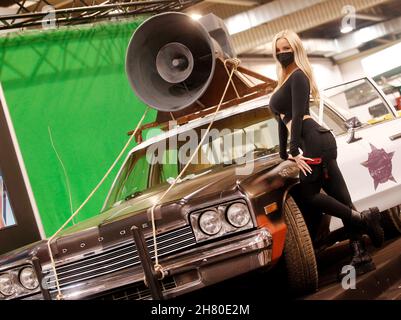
x,y
371,161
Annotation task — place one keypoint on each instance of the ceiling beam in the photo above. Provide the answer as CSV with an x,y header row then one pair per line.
x,y
347,45
314,13
265,13
357,38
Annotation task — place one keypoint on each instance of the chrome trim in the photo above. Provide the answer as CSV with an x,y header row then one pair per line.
x,y
116,258
137,290
194,258
80,257
248,245
113,258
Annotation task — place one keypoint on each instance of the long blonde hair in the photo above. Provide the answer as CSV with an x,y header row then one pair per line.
x,y
301,60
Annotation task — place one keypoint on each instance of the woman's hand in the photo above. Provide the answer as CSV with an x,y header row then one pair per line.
x,y
302,165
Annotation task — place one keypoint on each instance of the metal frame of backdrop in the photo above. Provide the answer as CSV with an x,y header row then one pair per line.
x,y
84,11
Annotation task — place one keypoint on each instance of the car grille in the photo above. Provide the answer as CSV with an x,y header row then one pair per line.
x,y
117,258
137,291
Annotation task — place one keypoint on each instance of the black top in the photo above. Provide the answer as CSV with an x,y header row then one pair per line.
x,y
292,100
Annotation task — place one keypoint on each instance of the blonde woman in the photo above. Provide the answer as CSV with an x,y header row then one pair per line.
x,y
314,148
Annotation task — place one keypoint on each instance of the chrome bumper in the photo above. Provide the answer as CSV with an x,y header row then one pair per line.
x,y
192,269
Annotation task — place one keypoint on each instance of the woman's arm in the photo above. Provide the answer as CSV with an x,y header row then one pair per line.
x,y
300,89
282,136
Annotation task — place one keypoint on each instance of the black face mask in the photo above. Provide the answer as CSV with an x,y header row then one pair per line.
x,y
285,58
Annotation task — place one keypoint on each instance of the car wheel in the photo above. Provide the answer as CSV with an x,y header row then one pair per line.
x,y
391,221
299,256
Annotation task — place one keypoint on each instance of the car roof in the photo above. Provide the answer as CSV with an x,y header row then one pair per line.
x,y
225,113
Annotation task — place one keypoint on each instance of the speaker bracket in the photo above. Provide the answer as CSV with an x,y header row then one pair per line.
x,y
246,88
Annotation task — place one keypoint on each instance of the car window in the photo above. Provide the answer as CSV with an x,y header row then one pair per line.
x,y
7,218
133,179
391,86
330,118
169,167
231,140
361,99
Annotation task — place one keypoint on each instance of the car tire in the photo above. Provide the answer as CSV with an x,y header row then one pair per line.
x,y
391,221
299,256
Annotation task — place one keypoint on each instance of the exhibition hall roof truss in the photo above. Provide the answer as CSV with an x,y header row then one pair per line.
x,y
42,13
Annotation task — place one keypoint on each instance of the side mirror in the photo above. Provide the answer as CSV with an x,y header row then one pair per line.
x,y
353,123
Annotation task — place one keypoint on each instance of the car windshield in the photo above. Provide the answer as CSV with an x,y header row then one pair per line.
x,y
361,99
231,140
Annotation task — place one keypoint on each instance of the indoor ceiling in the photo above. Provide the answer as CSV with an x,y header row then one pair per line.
x,y
253,23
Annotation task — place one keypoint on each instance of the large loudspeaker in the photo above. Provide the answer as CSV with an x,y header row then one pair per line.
x,y
171,61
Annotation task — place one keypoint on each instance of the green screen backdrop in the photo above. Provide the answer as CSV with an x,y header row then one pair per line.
x,y
70,100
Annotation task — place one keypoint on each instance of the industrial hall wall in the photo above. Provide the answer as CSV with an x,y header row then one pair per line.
x,y
71,106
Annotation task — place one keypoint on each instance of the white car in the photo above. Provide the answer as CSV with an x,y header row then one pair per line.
x,y
368,134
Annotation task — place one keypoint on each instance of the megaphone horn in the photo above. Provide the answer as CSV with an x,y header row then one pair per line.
x,y
170,61
174,62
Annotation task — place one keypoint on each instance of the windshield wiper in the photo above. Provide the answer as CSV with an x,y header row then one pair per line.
x,y
188,177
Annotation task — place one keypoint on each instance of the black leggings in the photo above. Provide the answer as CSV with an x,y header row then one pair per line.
x,y
319,142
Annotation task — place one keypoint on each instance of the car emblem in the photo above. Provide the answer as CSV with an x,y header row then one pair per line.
x,y
289,171
380,165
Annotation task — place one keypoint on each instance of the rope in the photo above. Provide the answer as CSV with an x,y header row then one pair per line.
x,y
53,264
230,77
65,172
157,266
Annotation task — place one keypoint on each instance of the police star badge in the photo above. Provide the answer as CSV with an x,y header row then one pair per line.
x,y
380,166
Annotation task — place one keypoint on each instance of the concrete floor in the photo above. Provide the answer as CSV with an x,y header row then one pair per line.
x,y
382,283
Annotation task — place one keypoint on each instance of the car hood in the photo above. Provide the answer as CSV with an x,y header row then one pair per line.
x,y
20,255
214,184
114,224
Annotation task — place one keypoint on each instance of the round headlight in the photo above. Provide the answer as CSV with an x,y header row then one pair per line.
x,y
6,285
28,278
210,222
238,215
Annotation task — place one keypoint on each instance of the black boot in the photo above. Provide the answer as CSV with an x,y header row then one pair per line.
x,y
369,220
361,259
